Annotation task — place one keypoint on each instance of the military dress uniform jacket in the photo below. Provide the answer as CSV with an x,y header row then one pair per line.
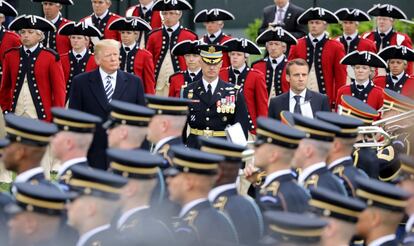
x,y
72,67
103,26
142,228
88,95
159,42
104,237
366,160
153,17
209,225
243,212
8,40
330,74
253,85
178,81
392,38
322,177
371,94
45,80
348,173
358,43
226,107
219,40
404,86
139,62
53,40
275,77
282,194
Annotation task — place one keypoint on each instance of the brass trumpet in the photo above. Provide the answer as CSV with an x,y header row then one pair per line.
x,y
373,136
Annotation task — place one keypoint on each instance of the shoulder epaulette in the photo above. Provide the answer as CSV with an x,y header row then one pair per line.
x,y
258,61
386,153
14,48
365,35
53,52
221,202
190,31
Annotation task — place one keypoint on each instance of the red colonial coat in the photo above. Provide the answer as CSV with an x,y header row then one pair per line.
x,y
254,91
334,73
177,80
87,63
107,34
282,85
392,40
374,99
62,42
156,44
8,40
154,20
220,40
143,66
407,88
47,81
359,43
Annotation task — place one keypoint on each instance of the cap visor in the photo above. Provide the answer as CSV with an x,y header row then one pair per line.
x,y
171,172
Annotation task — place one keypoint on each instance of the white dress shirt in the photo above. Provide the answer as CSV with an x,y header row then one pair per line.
x,y
187,207
103,15
161,143
283,13
213,194
148,7
131,47
307,171
365,84
31,49
175,27
26,175
335,163
319,38
67,164
213,85
82,53
104,75
216,34
305,106
399,76
381,240
272,176
127,214
84,238
56,18
353,36
278,61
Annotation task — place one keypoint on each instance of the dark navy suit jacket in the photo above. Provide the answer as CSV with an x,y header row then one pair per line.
x,y
88,95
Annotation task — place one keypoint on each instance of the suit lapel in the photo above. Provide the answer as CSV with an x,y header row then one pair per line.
x,y
218,92
308,98
121,84
96,85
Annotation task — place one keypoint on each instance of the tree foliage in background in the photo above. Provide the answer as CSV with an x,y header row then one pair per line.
x,y
335,30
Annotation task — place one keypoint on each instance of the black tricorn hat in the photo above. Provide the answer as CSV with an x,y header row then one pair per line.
x,y
351,14
276,33
130,24
31,22
7,9
65,2
242,45
215,14
80,28
317,14
397,52
387,10
363,58
166,5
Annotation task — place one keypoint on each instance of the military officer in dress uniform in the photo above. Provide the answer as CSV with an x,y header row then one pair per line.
x,y
287,228
386,203
339,159
275,147
127,125
179,80
312,153
101,18
216,104
213,21
53,39
224,195
364,158
323,54
71,144
362,87
36,215
28,140
79,59
96,204
166,126
349,20
189,180
136,224
385,35
406,182
144,10
8,39
247,80
135,60
397,79
162,40
276,40
339,211
33,80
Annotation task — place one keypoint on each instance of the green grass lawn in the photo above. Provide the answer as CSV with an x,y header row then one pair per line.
x,y
5,187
